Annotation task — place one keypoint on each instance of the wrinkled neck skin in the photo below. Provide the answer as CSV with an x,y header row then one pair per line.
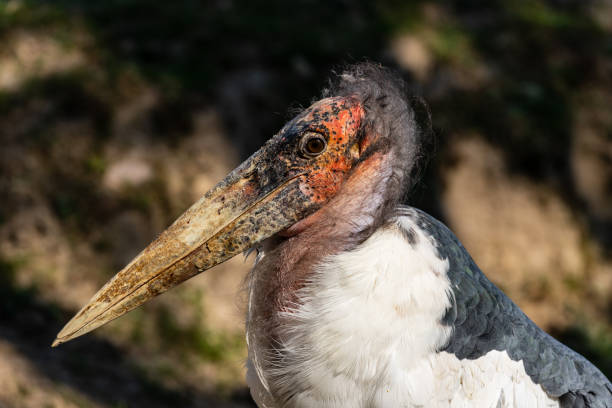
x,y
343,223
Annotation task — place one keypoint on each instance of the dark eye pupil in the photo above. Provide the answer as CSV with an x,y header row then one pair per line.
x,y
315,145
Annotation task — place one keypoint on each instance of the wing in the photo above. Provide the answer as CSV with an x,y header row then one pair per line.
x,y
483,318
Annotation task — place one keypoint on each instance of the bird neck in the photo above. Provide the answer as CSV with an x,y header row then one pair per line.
x,y
367,197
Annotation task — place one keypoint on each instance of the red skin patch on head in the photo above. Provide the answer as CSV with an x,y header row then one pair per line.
x,y
339,119
362,174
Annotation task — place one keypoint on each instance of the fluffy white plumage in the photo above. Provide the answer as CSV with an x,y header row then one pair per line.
x,y
365,334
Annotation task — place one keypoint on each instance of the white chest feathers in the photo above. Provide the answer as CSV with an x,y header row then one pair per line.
x,y
365,334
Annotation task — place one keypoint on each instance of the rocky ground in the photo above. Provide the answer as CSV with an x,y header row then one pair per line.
x,y
115,117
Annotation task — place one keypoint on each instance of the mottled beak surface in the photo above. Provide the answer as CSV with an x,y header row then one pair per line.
x,y
288,179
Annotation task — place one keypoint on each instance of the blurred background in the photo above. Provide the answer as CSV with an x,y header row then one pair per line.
x,y
116,115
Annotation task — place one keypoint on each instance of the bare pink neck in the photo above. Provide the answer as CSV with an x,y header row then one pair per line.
x,y
345,222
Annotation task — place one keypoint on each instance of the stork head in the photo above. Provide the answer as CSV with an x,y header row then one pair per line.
x,y
362,138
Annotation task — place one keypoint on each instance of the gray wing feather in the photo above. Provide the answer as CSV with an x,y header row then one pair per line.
x,y
483,318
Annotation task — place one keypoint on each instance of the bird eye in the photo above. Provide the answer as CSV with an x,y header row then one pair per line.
x,y
313,144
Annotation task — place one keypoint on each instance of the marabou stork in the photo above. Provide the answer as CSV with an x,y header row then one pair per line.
x,y
355,299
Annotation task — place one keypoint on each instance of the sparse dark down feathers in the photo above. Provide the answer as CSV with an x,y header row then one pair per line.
x,y
403,121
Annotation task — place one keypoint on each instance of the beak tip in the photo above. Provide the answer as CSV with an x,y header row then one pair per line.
x,y
67,333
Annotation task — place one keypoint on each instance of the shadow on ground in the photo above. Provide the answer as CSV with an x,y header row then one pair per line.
x,y
92,366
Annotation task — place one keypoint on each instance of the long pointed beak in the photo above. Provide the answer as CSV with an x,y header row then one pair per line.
x,y
237,213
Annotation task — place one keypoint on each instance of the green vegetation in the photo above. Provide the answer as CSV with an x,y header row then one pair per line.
x,y
207,344
540,14
16,301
